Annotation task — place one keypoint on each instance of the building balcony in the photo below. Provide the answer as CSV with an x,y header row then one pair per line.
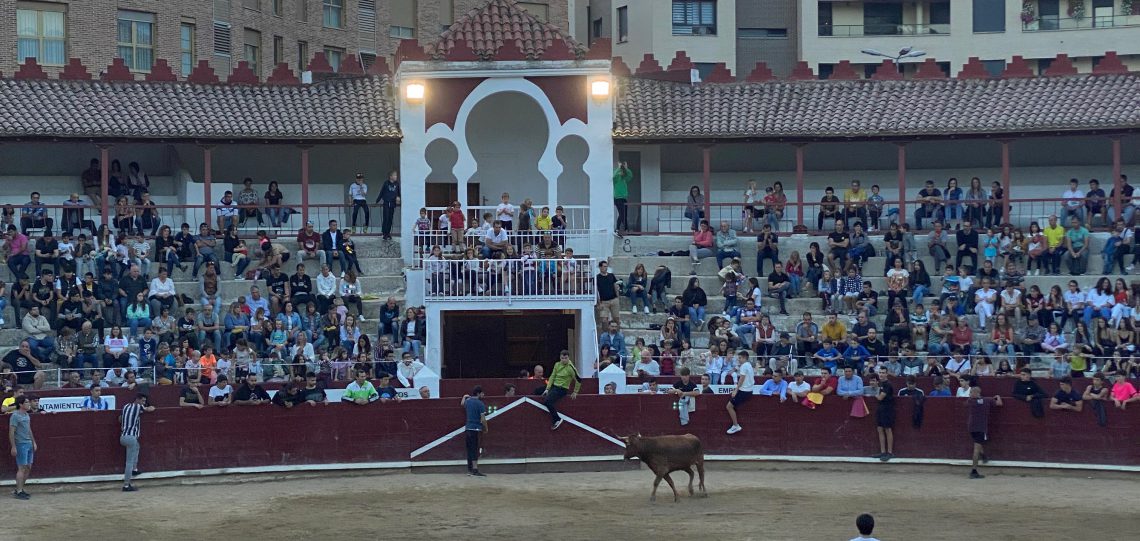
x,y
1052,23
509,280
860,30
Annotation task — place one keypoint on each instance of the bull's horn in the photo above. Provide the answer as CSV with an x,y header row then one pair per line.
x,y
639,434
624,438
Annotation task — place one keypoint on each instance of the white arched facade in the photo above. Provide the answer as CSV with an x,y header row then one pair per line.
x,y
596,132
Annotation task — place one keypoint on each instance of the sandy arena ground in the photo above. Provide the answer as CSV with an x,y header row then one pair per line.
x,y
746,501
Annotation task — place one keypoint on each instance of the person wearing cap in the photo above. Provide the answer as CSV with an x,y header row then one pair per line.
x,y
390,198
309,244
476,426
358,192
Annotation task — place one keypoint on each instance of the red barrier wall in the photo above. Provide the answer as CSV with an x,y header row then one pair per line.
x,y
86,443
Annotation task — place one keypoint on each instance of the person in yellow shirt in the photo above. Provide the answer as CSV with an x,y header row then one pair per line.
x,y
1055,241
834,329
855,197
544,222
564,379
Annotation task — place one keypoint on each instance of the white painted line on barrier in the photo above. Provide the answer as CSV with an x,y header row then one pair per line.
x,y
579,424
553,460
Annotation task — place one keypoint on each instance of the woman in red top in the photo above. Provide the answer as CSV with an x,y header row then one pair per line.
x,y
702,246
961,336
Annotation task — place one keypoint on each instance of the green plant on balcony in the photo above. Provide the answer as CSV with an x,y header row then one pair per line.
x,y
1027,14
1077,9
1127,7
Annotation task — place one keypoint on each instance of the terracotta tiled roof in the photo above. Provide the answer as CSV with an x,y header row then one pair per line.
x,y
484,30
356,108
648,109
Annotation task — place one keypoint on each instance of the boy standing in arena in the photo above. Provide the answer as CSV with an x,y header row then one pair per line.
x,y
475,427
977,424
23,444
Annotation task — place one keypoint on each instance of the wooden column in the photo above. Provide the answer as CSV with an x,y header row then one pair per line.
x,y
305,184
105,182
1117,181
706,178
800,187
1006,208
207,179
902,182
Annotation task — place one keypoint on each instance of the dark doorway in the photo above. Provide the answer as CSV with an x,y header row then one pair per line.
x,y
439,194
496,344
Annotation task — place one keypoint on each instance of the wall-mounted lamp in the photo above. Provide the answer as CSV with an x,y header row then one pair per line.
x,y
600,88
414,92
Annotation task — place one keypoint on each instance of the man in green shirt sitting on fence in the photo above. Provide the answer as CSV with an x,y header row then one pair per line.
x,y
360,391
563,378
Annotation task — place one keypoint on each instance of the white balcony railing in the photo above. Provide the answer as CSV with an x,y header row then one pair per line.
x,y
509,279
577,239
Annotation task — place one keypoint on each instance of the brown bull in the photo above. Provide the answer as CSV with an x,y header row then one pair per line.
x,y
667,454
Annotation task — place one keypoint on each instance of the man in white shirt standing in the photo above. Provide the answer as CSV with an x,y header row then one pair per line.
x,y
1074,204
745,381
505,212
358,191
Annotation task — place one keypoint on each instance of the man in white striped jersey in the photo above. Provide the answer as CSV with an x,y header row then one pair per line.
x,y
130,419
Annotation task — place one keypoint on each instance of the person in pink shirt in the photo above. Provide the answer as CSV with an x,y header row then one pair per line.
x,y
703,242
17,251
1123,392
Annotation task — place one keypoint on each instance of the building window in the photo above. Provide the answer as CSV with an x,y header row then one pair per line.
x,y
223,37
278,50
302,54
186,47
303,8
694,17
251,4
756,33
401,32
537,10
333,13
334,55
366,22
278,7
446,13
403,22
994,67
596,31
136,39
623,24
251,47
1049,14
939,13
882,19
989,15
41,32
826,20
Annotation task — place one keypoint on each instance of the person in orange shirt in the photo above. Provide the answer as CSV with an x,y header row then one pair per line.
x,y
209,364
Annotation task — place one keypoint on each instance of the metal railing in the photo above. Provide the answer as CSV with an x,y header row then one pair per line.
x,y
576,239
1048,23
509,279
574,216
856,30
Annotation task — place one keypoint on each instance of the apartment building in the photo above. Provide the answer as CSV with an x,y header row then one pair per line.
x,y
825,32
261,32
952,31
736,32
